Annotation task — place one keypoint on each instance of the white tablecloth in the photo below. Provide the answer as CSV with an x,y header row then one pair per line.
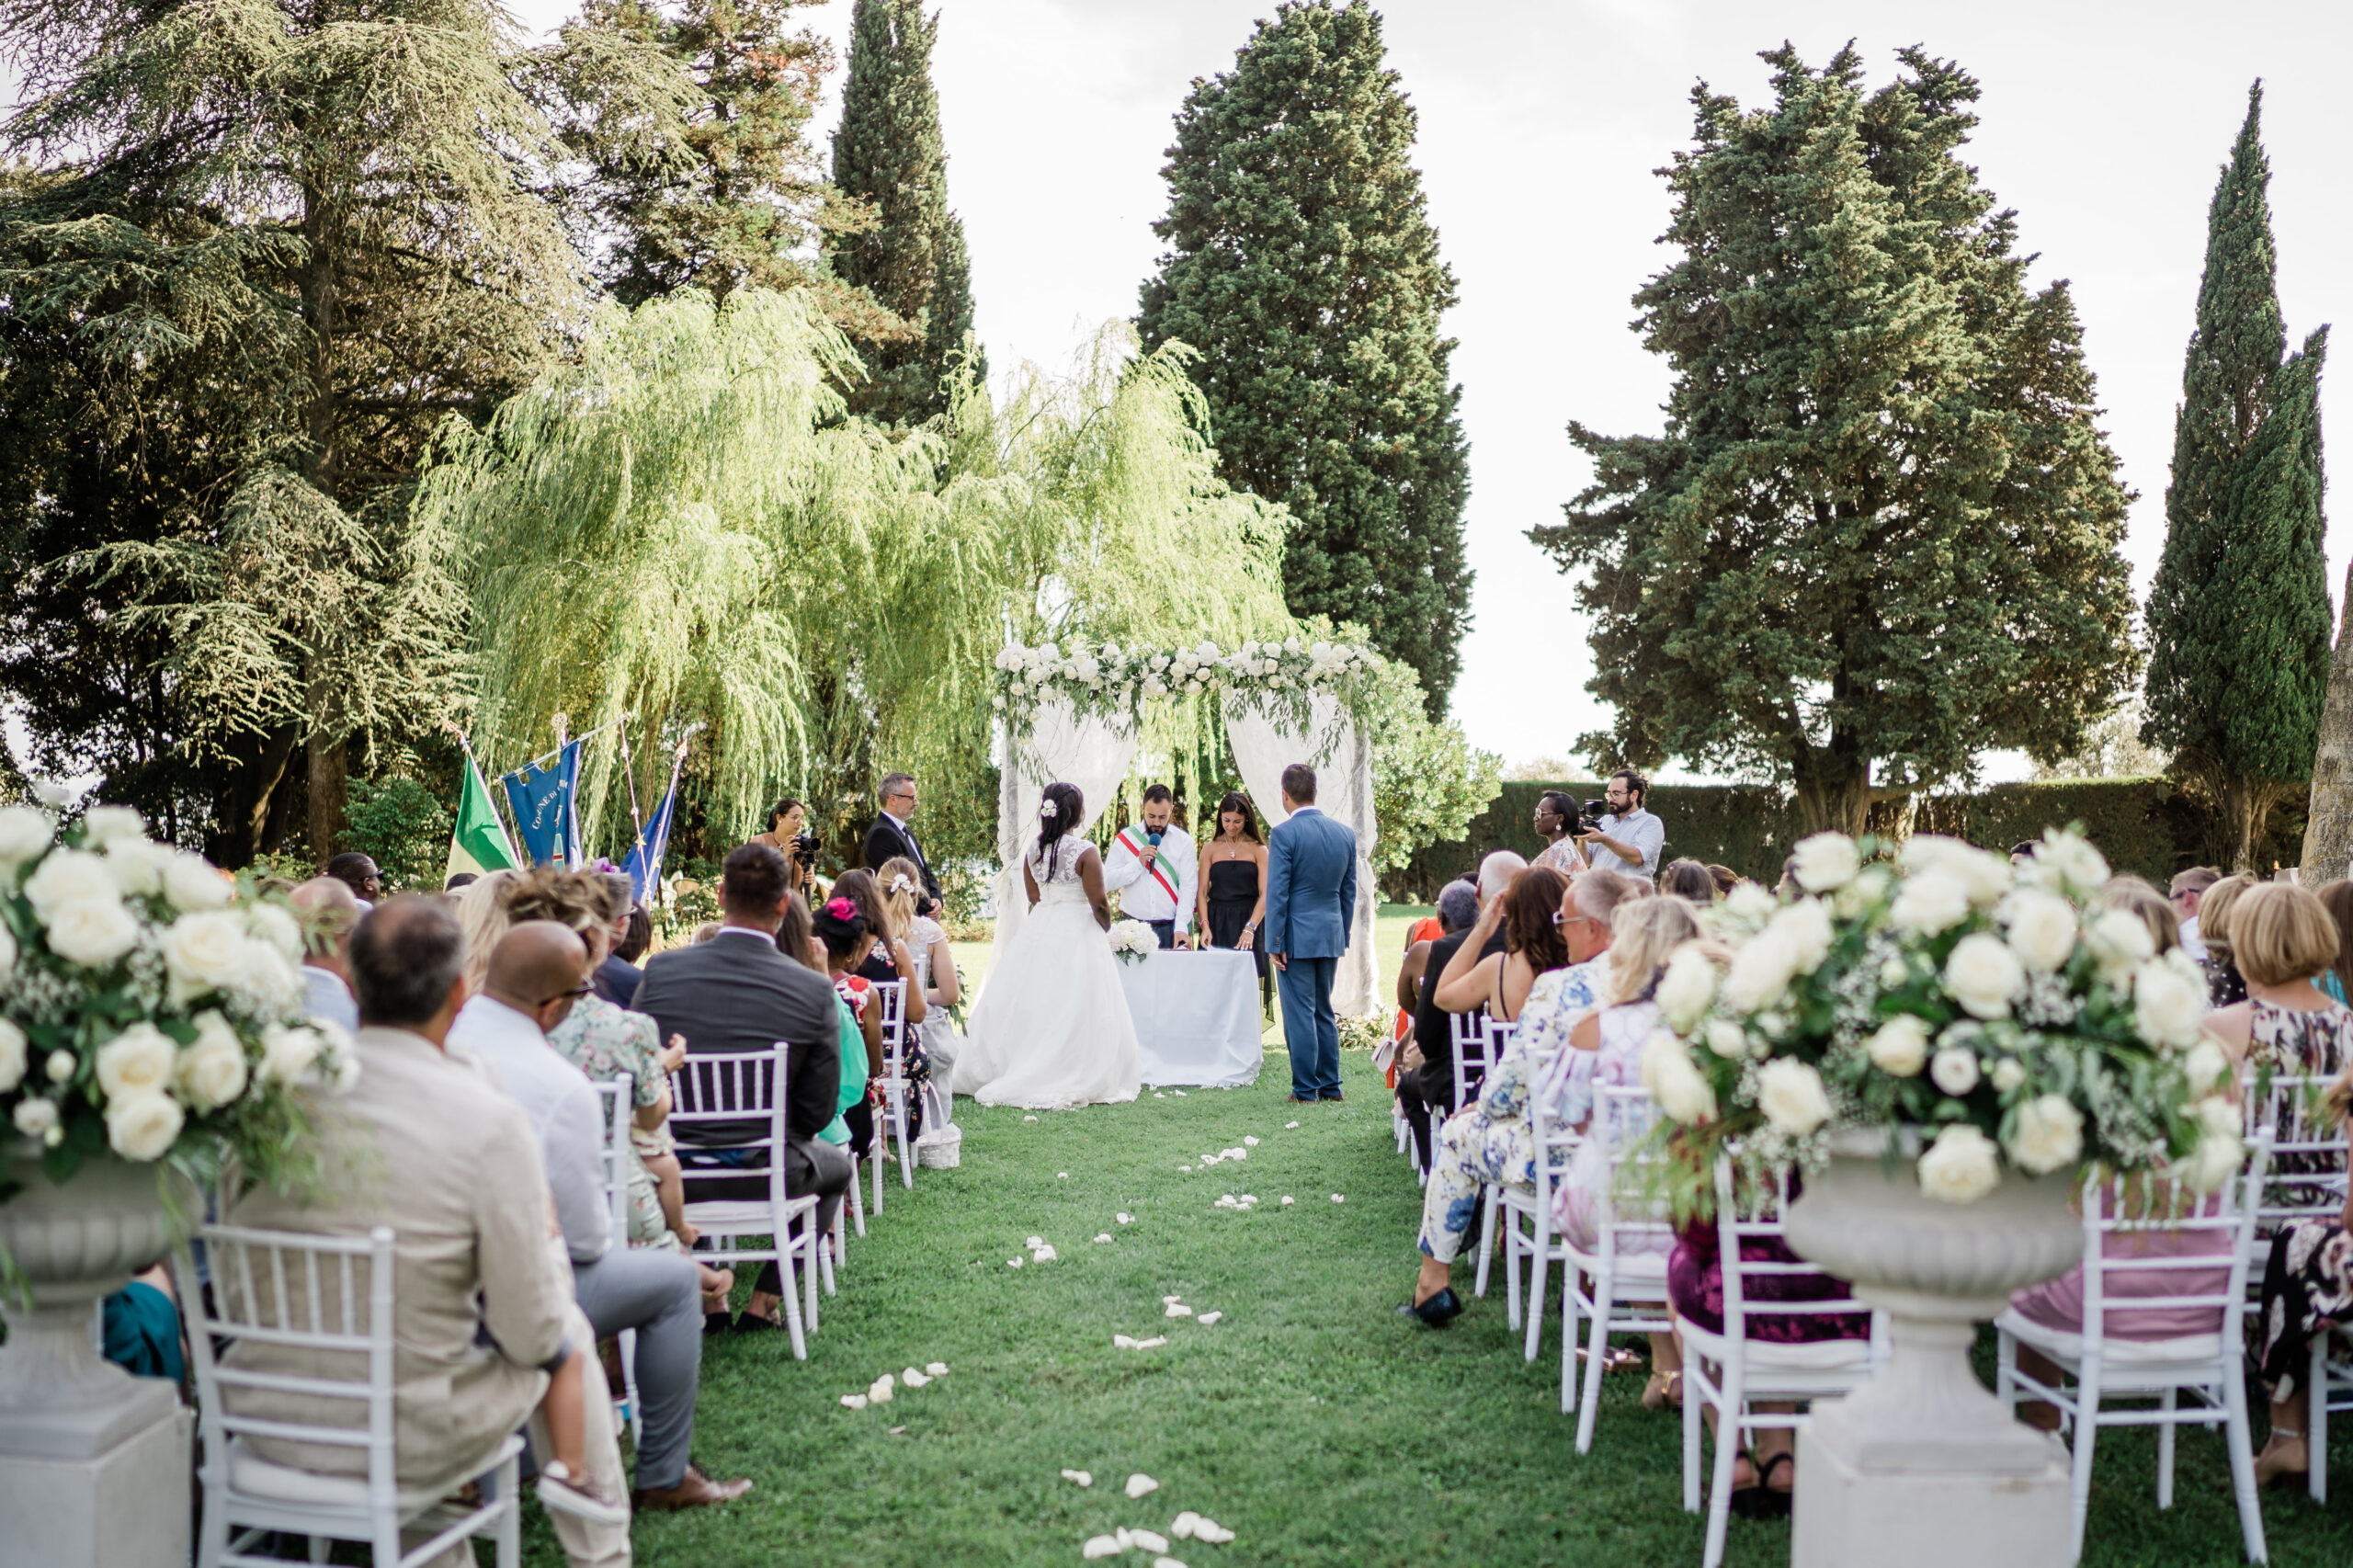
x,y
1197,1017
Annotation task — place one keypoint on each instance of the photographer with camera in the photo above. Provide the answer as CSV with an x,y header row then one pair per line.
x,y
1559,822
1626,831
788,836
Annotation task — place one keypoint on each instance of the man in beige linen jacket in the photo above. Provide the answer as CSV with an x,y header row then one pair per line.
x,y
423,1143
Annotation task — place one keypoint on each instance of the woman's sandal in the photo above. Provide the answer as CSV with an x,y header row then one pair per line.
x,y
2268,1472
1665,1388
1762,1501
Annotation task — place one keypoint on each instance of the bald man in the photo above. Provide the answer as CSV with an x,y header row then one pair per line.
x,y
536,972
328,910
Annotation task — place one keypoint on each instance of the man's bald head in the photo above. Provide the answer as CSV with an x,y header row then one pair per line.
x,y
329,910
536,968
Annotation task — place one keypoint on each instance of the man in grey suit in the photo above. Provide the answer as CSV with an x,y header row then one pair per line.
x,y
1311,899
737,992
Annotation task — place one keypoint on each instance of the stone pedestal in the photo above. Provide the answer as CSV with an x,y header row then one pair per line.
x,y
126,1507
1846,1514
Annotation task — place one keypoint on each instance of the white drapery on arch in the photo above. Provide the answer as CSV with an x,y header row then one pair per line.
x,y
1060,747
1335,745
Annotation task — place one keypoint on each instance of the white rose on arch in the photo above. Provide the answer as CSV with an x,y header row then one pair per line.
x,y
2119,944
16,1055
68,876
25,832
1954,1069
104,826
205,951
1761,971
1826,861
1985,876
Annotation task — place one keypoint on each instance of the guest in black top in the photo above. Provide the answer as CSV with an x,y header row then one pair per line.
x,y
1431,1086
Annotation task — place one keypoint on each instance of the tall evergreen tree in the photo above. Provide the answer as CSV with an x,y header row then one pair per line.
x,y
2238,614
1879,531
1303,264
889,153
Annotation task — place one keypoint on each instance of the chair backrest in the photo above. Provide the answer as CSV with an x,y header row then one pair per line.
x,y
1622,1117
616,1096
892,995
329,1297
744,1091
1754,1212
2305,1178
1469,1031
2143,1213
1553,1143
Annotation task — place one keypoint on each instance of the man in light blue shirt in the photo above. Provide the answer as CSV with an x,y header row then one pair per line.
x,y
328,910
1631,834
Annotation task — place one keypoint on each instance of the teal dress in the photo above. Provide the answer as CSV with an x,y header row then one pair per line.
x,y
853,1089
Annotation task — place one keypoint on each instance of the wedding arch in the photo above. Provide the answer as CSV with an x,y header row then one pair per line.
x,y
1076,716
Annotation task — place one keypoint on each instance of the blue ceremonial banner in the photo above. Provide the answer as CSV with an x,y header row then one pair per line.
x,y
545,809
644,862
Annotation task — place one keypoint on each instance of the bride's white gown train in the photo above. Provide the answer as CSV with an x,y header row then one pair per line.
x,y
1051,1028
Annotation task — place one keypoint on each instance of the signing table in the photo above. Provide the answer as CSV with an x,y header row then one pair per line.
x,y
1197,1017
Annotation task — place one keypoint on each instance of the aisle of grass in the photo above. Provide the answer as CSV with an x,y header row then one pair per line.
x,y
1310,1421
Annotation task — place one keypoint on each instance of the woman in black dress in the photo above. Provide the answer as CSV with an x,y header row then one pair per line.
x,y
1233,885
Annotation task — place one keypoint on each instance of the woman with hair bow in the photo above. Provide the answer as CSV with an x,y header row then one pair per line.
x,y
1051,1030
936,980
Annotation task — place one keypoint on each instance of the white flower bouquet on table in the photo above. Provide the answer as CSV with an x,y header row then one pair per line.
x,y
151,1009
1133,941
1990,1019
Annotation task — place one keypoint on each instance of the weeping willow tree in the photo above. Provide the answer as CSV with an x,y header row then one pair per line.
x,y
684,526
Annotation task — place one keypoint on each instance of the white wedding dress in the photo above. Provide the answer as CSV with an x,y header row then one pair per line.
x,y
1051,1028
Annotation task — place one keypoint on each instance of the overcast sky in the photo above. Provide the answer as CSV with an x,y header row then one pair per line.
x,y
1541,123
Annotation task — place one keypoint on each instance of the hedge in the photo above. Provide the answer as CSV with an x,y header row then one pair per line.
x,y
2147,826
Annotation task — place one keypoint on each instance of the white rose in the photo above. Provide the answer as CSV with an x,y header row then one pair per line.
x,y
1858,897
1929,902
273,925
2068,861
92,932
14,1056
1985,876
67,876
2220,1149
1746,908
1962,1167
2047,1135
2168,1003
288,1052
2205,1066
1826,860
2041,929
103,825
1761,971
1790,1095
1899,1046
8,952
1894,972
205,952
1954,1069
25,832
213,1071
1674,1082
35,1116
1726,1038
60,1066
1686,988
1806,924
1983,975
143,1127
2009,1074
2119,943
137,866
138,1061
1291,645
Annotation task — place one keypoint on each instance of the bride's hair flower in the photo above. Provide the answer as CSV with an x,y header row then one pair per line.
x,y
1050,810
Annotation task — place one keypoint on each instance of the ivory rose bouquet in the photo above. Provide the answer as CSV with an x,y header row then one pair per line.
x,y
2004,1020
150,1008
1133,941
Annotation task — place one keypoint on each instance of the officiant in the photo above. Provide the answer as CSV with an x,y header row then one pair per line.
x,y
1153,867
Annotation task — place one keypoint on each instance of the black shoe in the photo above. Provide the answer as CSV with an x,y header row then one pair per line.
x,y
1296,1100
1437,1311
751,1322
1335,1095
717,1323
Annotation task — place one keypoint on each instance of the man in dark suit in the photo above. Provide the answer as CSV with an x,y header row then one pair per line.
x,y
1311,900
737,992
891,837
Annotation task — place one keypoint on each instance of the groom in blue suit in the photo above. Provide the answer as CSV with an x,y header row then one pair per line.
x,y
1311,898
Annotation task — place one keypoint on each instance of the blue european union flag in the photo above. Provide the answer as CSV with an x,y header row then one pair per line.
x,y
545,809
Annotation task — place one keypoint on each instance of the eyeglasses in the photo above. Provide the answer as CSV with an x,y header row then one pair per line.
x,y
1561,919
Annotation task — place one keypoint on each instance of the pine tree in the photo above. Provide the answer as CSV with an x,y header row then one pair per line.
x,y
889,152
2238,614
1879,531
1303,264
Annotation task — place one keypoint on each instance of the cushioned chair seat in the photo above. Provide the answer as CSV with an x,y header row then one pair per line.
x,y
2063,1345
251,1475
1821,1356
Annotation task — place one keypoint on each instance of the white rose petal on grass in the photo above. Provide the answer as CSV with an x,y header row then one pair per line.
x,y
1101,1546
1983,975
1125,1219
1288,1125
1062,1175
1177,1310
1179,1093
1103,1237
1122,1342
1825,861
912,1379
1287,1201
883,1388
1043,1255
1339,1197
935,1368
1030,1119
1790,1095
1899,1046
1139,1484
1954,1069
1150,1540
1211,1531
1208,1318
1158,1096
1015,1262
1078,1478
1250,1139
854,1402
1962,1167
1155,1343
2048,1135
1167,1563
1034,1243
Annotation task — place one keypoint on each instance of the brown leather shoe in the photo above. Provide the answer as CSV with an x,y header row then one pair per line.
x,y
697,1491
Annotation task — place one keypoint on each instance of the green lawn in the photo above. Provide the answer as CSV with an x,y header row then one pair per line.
x,y
1310,1421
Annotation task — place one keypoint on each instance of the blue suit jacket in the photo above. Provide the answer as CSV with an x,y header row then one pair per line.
x,y
1311,887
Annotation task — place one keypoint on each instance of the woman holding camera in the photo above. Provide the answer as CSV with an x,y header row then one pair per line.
x,y
789,835
1558,819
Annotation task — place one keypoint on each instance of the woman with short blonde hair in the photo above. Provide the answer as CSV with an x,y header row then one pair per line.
x,y
1643,933
2282,940
900,883
2224,984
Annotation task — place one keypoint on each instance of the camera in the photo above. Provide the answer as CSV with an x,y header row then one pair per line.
x,y
1589,815
804,847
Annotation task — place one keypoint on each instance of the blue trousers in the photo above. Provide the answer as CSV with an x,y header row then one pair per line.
x,y
1310,1029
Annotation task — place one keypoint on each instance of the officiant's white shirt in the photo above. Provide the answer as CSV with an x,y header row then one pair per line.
x,y
1140,896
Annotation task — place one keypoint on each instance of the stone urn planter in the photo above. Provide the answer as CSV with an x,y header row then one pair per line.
x,y
94,1463
1922,1464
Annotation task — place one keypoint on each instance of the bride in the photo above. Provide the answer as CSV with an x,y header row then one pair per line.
x,y
1051,1028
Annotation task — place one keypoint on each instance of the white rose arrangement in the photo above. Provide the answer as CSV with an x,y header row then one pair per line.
x,y
2001,1021
1278,678
152,1009
1133,941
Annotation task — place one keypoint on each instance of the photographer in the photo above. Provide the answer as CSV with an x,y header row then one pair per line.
x,y
1557,821
1628,832
788,836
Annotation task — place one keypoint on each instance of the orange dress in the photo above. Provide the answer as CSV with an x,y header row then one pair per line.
x,y
1427,930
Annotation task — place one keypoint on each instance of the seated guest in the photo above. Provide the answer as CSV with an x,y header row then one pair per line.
x,y
1557,819
616,976
328,912
2185,893
359,873
1725,879
538,973
484,1317
1432,1083
840,928
2307,1291
1492,1138
461,881
2140,898
1458,911
2337,897
884,961
737,992
2225,986
1418,937
139,1326
482,915
2280,939
1688,879
936,984
1529,916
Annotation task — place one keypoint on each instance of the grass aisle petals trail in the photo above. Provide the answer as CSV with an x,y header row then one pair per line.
x,y
1312,1422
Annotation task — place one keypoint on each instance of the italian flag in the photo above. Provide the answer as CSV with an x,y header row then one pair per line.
x,y
480,844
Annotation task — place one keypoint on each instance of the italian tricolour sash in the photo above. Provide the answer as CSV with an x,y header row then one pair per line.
x,y
1161,867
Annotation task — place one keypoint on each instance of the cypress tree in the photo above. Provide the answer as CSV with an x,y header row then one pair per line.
x,y
1302,266
2238,614
889,153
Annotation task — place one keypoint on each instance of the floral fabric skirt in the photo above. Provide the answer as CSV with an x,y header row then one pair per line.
x,y
2308,1278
